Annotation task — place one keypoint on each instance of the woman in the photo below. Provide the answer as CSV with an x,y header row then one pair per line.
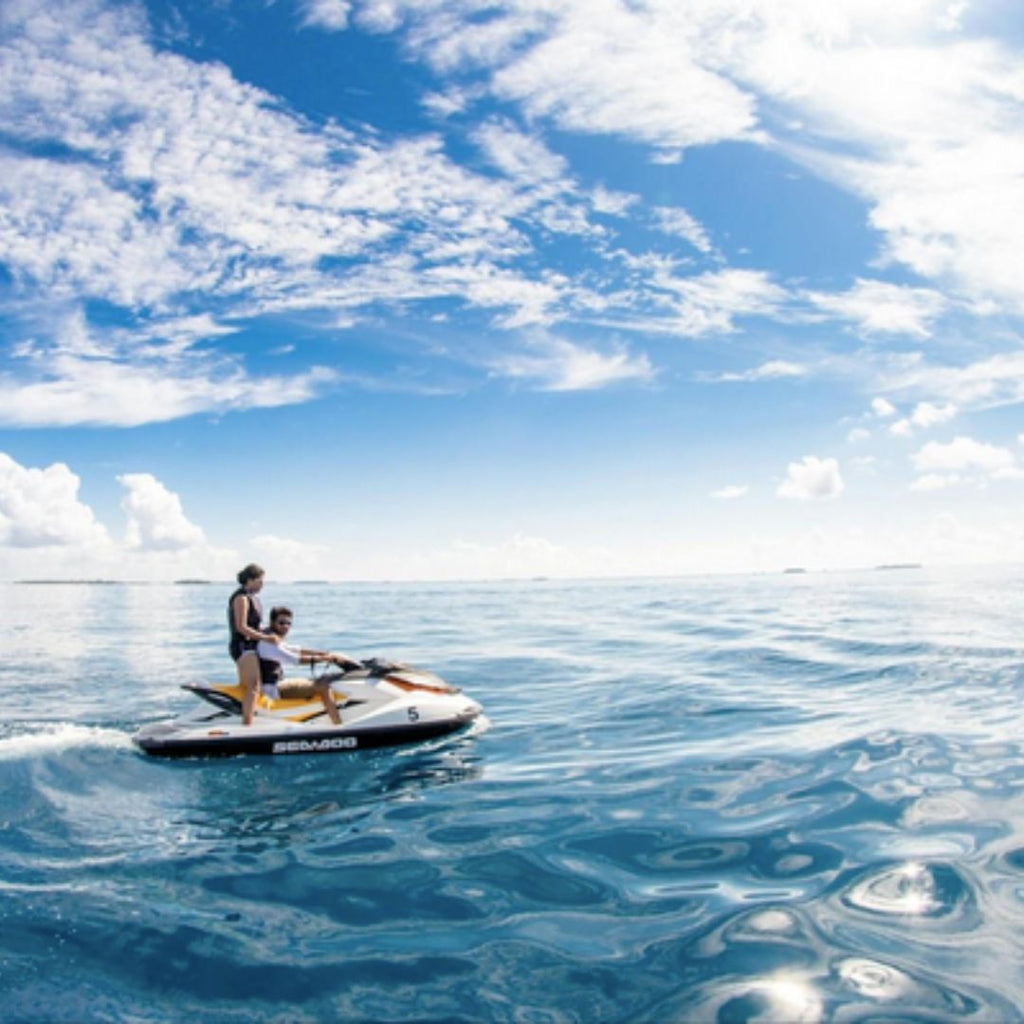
x,y
244,615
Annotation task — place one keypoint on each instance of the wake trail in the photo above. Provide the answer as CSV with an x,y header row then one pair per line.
x,y
60,737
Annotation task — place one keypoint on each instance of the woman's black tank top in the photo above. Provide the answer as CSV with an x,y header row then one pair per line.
x,y
239,643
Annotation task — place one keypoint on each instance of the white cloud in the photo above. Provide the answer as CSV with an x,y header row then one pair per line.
x,y
331,15
925,415
611,202
674,220
961,454
963,462
522,157
812,478
858,434
986,383
880,307
700,304
47,532
554,364
178,182
40,507
731,492
181,182
126,378
774,369
156,520
602,69
892,101
882,408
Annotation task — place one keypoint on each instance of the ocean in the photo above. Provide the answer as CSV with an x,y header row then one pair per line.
x,y
788,797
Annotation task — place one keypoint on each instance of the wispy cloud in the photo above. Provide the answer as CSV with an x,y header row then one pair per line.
x,y
674,220
774,369
554,364
883,308
120,378
731,493
984,383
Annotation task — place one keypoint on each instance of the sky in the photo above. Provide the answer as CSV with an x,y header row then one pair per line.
x,y
458,289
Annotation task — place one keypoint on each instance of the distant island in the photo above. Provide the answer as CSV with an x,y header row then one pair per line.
x,y
794,571
90,583
899,565
192,582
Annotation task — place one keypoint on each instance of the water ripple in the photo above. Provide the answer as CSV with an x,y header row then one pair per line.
x,y
754,798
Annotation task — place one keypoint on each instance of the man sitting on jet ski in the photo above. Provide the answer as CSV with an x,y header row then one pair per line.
x,y
273,658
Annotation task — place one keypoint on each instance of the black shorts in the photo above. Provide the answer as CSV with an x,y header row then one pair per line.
x,y
240,646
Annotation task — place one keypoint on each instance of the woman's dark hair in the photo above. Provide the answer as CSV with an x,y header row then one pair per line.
x,y
250,572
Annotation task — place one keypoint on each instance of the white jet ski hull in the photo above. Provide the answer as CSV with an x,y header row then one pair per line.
x,y
379,708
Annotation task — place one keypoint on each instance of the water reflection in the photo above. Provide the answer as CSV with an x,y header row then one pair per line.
x,y
784,997
910,889
297,799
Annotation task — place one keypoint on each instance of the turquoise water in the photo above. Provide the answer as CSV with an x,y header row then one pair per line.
x,y
771,798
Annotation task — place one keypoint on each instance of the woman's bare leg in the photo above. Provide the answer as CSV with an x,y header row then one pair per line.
x,y
249,678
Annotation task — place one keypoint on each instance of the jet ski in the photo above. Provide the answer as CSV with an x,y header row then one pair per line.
x,y
382,704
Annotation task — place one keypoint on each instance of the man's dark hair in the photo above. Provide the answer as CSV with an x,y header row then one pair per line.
x,y
276,613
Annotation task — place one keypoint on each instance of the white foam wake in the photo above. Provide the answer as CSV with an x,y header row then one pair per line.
x,y
59,737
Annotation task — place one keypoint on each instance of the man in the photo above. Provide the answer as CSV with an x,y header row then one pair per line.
x,y
273,658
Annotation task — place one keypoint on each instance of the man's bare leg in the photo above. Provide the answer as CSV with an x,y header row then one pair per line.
x,y
323,691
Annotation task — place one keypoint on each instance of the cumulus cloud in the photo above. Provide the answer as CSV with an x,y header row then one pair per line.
x,y
925,415
156,520
963,461
331,15
40,508
811,479
882,408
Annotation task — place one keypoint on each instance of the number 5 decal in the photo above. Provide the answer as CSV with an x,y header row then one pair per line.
x,y
414,715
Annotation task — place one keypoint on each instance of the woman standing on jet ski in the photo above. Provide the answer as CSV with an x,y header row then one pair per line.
x,y
244,616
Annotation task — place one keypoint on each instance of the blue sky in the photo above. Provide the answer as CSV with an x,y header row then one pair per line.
x,y
383,289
